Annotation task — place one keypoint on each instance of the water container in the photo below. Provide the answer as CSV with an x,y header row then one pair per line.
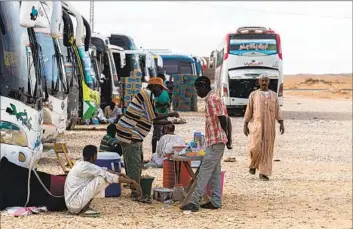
x,y
199,140
110,160
95,121
178,193
169,176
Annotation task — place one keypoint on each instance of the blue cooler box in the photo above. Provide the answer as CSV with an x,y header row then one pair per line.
x,y
110,160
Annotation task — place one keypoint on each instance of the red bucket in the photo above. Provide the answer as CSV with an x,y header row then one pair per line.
x,y
169,174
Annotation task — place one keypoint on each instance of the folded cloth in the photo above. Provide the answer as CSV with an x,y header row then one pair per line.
x,y
24,211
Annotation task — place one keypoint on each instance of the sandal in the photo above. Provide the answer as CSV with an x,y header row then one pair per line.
x,y
263,177
230,159
90,213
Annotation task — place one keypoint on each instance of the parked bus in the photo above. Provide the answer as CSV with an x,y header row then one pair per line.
x,y
21,124
177,64
54,82
124,41
109,59
240,59
84,95
200,64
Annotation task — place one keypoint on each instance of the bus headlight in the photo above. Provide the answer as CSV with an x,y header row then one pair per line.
x,y
12,134
46,117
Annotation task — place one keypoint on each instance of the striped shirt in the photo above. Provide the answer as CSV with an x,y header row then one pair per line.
x,y
108,144
138,118
214,108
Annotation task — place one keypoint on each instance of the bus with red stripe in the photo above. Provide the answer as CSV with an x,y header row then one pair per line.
x,y
240,59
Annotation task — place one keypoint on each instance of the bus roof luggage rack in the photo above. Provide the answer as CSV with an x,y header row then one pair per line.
x,y
251,29
159,50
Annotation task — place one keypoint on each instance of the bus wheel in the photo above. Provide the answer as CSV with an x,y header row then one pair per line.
x,y
72,124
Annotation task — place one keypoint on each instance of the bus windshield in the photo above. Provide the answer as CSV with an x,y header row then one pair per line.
x,y
17,72
50,70
123,41
252,44
176,66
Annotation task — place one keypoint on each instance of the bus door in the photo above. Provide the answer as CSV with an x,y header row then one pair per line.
x,y
119,62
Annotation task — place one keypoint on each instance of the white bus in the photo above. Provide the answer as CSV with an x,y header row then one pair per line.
x,y
21,94
240,59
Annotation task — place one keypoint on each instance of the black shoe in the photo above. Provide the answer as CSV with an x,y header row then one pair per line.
x,y
189,207
252,171
145,200
134,197
264,177
208,205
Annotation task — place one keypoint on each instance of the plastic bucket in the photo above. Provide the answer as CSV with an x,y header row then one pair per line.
x,y
169,176
146,185
110,160
208,187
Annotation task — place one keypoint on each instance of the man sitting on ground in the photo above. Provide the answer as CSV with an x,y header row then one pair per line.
x,y
111,113
165,146
86,180
109,143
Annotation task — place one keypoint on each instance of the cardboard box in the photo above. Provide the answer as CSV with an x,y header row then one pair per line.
x,y
128,92
137,86
128,86
136,91
128,98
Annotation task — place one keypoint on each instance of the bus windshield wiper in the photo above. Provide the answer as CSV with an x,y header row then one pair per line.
x,y
2,25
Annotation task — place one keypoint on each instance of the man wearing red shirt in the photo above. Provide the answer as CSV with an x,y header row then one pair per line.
x,y
217,137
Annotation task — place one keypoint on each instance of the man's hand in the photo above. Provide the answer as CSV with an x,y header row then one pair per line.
x,y
246,130
134,185
173,114
281,127
123,175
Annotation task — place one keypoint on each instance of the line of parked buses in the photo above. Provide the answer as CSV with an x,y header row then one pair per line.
x,y
56,73
51,73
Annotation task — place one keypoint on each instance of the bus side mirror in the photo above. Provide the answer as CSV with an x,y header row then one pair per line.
x,y
149,61
32,15
122,60
56,18
160,61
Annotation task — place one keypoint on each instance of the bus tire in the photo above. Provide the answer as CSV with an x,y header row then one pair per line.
x,y
72,124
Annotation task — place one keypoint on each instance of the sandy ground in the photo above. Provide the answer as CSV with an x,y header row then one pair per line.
x,y
311,186
334,83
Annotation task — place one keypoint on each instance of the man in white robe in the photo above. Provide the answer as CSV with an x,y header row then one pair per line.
x,y
86,180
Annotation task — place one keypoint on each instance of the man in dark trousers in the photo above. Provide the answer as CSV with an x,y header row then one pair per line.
x,y
135,125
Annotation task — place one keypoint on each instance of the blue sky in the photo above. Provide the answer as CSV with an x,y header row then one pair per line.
x,y
316,36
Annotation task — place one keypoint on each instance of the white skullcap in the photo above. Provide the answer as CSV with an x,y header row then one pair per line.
x,y
263,75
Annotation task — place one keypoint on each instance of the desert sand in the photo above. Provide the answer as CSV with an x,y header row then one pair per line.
x,y
335,85
311,186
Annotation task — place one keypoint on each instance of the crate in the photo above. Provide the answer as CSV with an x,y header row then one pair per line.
x,y
137,86
128,92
